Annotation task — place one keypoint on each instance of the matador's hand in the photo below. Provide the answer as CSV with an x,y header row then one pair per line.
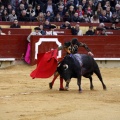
x,y
91,54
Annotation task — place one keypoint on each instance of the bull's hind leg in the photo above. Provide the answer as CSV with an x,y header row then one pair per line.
x,y
91,83
97,72
90,78
79,83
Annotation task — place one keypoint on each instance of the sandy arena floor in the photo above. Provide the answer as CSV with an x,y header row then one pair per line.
x,y
22,98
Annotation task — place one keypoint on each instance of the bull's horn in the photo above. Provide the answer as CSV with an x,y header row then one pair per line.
x,y
59,65
65,66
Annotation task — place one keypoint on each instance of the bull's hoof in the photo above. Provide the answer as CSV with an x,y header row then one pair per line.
x,y
61,89
50,85
92,88
104,87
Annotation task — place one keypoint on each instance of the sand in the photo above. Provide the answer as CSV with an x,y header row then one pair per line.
x,y
23,98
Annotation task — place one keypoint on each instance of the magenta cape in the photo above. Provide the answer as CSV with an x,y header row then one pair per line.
x,y
46,64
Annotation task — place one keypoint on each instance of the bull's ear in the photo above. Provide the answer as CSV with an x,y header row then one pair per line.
x,y
65,66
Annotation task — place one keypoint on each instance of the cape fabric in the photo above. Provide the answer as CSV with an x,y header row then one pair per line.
x,y
46,64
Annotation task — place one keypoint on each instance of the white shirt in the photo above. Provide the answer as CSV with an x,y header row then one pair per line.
x,y
32,33
51,33
2,33
80,33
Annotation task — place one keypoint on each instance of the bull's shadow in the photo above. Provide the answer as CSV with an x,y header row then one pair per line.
x,y
78,65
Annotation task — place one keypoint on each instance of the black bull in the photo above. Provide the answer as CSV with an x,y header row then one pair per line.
x,y
78,65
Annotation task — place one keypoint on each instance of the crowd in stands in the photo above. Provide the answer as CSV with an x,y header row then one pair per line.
x,y
65,11
93,11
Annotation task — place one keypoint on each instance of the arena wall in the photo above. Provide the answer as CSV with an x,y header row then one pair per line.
x,y
105,48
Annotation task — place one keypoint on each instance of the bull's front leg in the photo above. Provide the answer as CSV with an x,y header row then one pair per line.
x,y
67,84
79,83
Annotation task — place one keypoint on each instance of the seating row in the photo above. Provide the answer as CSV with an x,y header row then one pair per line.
x,y
27,31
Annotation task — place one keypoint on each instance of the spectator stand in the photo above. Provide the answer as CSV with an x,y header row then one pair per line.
x,y
83,26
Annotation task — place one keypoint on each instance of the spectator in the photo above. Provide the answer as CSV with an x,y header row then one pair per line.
x,y
113,27
24,2
65,25
5,15
80,11
91,5
98,5
70,3
32,2
112,4
42,30
12,16
101,26
71,12
35,32
1,33
117,10
20,9
40,17
60,10
15,24
14,4
104,32
84,4
90,31
47,25
76,18
107,4
49,16
94,19
58,18
30,13
89,11
23,17
5,3
66,17
1,9
103,17
76,30
49,6
9,9
108,12
60,4
99,9
38,10
114,18
86,18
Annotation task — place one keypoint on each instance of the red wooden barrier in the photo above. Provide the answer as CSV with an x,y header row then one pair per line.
x,y
109,32
63,31
101,46
17,31
13,46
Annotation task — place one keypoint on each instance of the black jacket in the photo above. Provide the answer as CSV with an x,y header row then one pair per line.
x,y
90,32
15,26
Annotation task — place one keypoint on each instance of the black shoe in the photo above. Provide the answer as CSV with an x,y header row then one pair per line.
x,y
50,85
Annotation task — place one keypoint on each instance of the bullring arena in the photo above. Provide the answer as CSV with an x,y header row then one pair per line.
x,y
24,98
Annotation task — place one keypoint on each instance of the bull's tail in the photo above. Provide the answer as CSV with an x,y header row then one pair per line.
x,y
98,73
